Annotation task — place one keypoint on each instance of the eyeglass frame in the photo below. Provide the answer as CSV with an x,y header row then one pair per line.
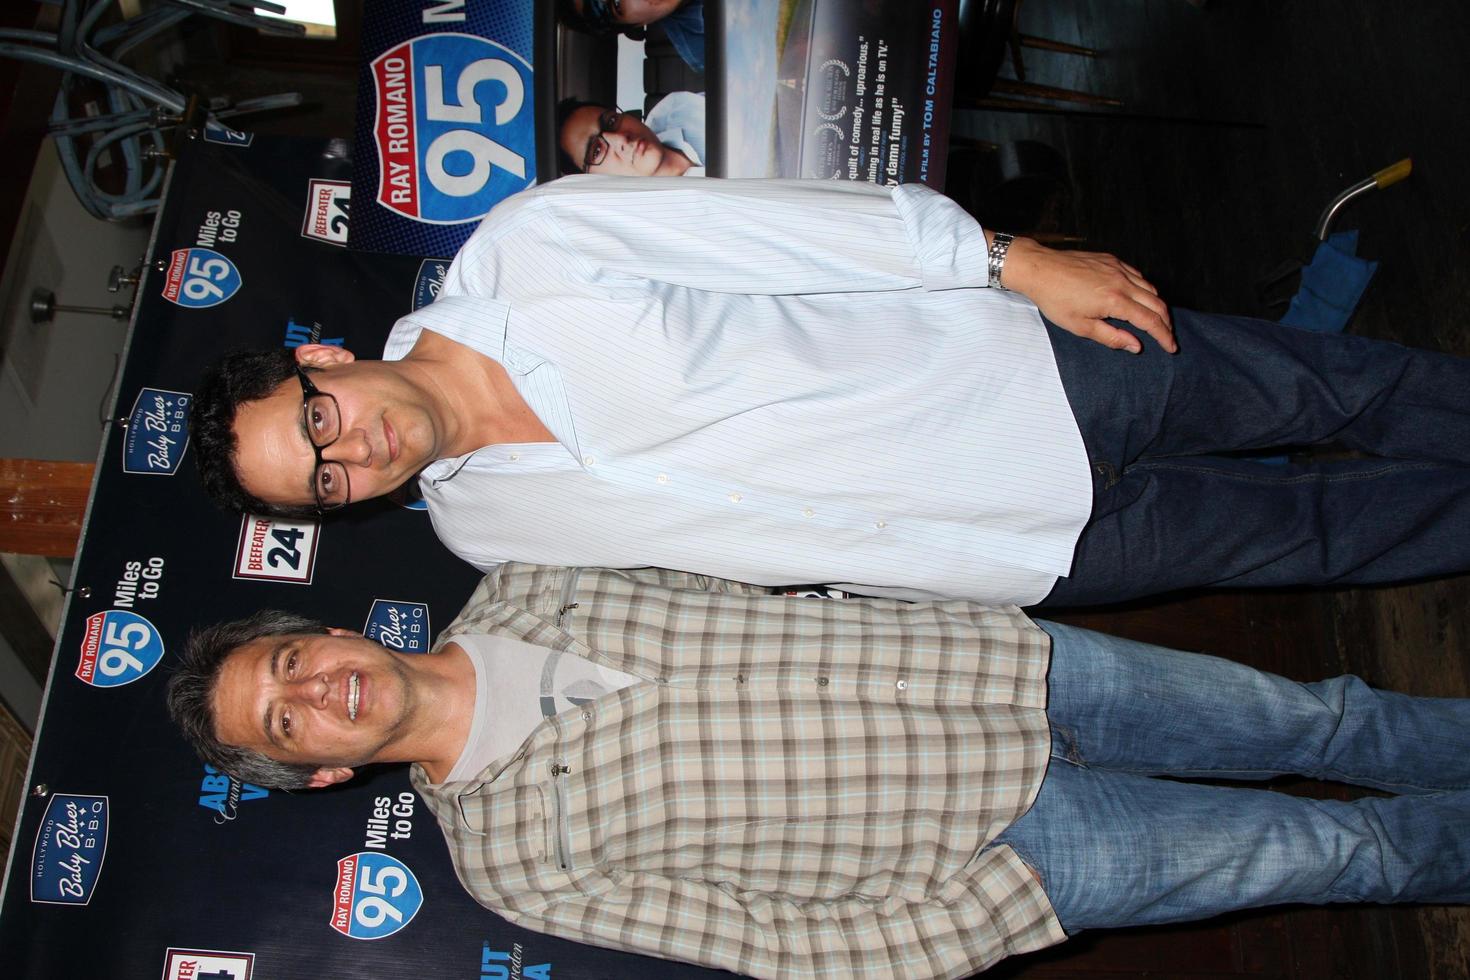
x,y
308,392
601,138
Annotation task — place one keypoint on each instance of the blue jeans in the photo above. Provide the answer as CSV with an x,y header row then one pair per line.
x,y
1114,846
1170,512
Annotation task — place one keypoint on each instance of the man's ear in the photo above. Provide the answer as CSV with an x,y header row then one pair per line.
x,y
329,777
323,355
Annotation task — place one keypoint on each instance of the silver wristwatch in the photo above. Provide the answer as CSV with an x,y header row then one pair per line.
x,y
1000,245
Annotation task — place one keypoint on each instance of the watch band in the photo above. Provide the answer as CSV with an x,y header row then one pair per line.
x,y
995,261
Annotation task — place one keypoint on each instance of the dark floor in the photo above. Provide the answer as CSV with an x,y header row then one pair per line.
x,y
1261,112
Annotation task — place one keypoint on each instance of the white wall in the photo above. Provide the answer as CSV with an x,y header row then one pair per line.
x,y
55,375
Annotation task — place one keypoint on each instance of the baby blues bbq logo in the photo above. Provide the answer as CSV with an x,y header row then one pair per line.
x,y
454,127
376,896
118,648
207,964
70,846
429,282
401,626
199,277
158,432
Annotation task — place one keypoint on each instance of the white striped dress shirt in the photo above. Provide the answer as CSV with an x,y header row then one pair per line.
x,y
772,381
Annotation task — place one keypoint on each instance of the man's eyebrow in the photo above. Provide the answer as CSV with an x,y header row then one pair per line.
x,y
270,732
311,477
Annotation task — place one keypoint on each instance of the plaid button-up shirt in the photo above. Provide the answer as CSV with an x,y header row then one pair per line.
x,y
797,788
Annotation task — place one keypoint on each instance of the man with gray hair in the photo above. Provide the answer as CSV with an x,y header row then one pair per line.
x,y
697,770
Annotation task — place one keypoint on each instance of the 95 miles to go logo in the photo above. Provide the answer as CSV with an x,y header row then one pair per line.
x,y
118,648
198,277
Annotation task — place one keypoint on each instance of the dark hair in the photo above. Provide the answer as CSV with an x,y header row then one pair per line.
x,y
191,697
564,109
238,377
592,18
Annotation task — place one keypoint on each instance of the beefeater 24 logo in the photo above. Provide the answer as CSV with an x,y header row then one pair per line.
x,y
454,127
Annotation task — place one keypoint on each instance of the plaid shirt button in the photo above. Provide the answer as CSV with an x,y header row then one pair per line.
x,y
902,685
821,682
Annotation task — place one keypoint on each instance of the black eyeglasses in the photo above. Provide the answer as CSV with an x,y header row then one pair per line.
x,y
597,148
323,422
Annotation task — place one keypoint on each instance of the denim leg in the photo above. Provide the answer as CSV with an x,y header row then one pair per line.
x,y
1170,513
1115,849
1191,522
1244,384
1131,707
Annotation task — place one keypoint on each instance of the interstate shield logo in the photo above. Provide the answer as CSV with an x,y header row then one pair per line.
x,y
118,647
198,278
70,846
158,432
453,130
376,895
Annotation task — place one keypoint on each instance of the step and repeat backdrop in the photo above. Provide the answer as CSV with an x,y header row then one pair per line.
x,y
131,859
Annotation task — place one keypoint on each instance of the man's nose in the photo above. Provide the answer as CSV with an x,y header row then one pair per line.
x,y
617,142
314,690
352,446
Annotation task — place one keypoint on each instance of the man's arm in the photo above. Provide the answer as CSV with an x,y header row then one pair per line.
x,y
952,934
784,237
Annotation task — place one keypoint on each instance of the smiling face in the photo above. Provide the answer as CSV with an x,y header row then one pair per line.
x,y
387,434
632,148
334,699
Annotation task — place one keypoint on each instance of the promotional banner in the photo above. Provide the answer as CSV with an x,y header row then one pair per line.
x,y
461,104
445,120
131,858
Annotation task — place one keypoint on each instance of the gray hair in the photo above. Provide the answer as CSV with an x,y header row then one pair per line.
x,y
191,697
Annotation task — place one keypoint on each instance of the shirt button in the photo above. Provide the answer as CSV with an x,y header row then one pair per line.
x,y
880,525
807,512
586,716
662,680
739,678
515,456
821,682
588,460
663,478
902,685
735,498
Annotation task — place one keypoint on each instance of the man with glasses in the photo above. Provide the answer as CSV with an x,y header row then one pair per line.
x,y
598,139
781,382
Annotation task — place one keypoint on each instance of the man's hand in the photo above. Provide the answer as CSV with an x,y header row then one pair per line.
x,y
1078,291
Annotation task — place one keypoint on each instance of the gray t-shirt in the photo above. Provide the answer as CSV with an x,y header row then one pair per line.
x,y
516,685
